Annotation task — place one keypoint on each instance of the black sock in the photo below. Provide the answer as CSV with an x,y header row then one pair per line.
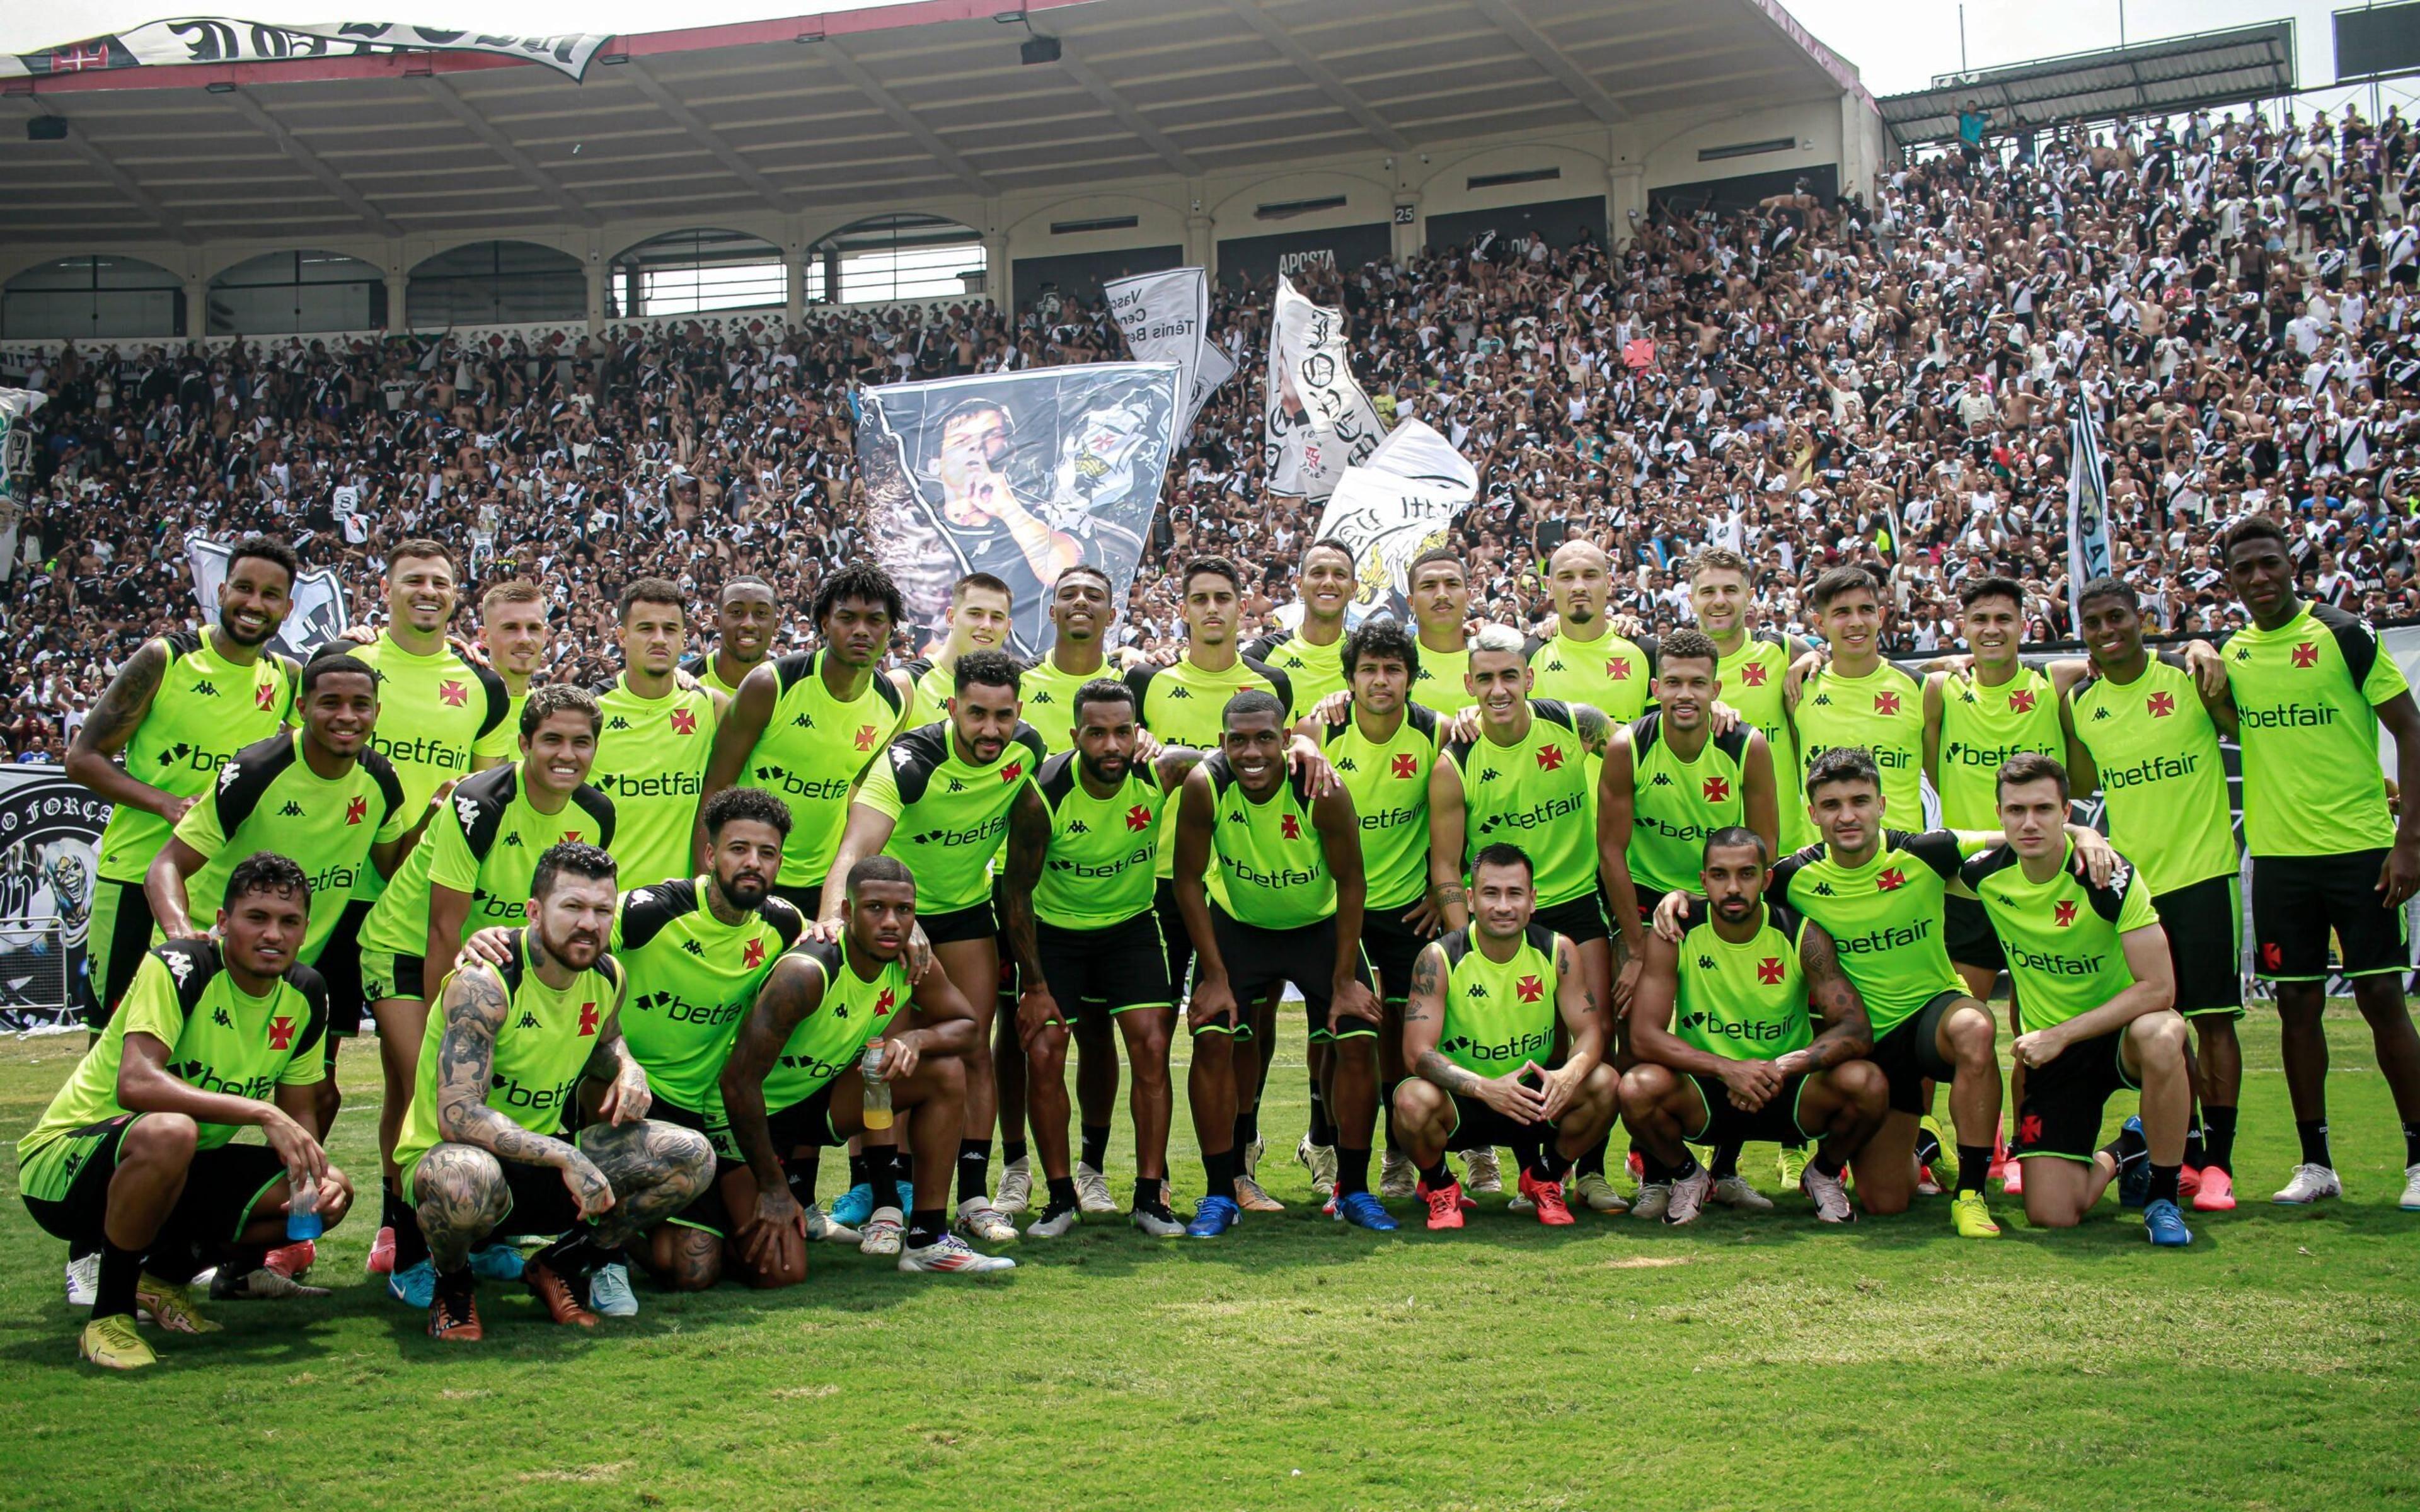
x,y
1352,1170
891,1168
1219,1168
1151,1194
1928,1147
1829,1167
461,1282
860,1173
1726,1161
1385,1114
1592,1160
926,1227
1248,1131
120,1269
2411,1143
1974,1164
1062,1193
79,1248
576,1253
1687,1167
2129,1146
1652,1172
393,1210
802,1182
974,1167
1323,1127
2196,1152
1097,1145
2163,1183
411,1244
2313,1134
1011,1151
2218,1138
1547,1163
1436,1176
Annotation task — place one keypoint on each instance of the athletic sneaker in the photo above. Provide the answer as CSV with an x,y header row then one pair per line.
x,y
292,1261
414,1286
881,1233
1250,1198
610,1295
1597,1193
1734,1192
1791,1165
2014,1183
1655,1198
454,1316
1250,1157
1054,1222
555,1291
262,1282
2310,1184
2216,1192
171,1306
84,1279
496,1262
854,1206
2134,1179
1397,1177
2188,1180
1320,1161
1093,1191
1689,1194
953,1255
382,1260
1157,1221
981,1221
1945,1163
111,1344
822,1230
1445,1204
1016,1186
2411,1188
1547,1197
1971,1217
1361,1209
1829,1194
2166,1225
1213,1217
1928,1184
1483,1175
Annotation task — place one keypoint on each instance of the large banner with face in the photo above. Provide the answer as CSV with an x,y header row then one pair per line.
x,y
1394,506
1166,318
316,618
50,830
1021,475
1318,422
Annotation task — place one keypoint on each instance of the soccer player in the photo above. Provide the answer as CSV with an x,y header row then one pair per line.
x,y
1522,778
1754,673
799,1077
1288,908
941,802
2094,1009
1441,597
1974,721
1856,699
980,609
1311,653
652,750
176,710
512,636
2330,856
472,870
746,614
500,1070
2143,730
1078,914
1480,1028
1724,1025
805,726
1586,661
133,1158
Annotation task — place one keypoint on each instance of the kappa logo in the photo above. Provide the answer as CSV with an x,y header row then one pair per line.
x,y
617,722
206,688
1823,890
291,810
180,966
2104,714
1823,701
806,721
1768,971
956,786
528,1021
1705,962
1406,766
1478,989
1660,779
1487,774
514,840
1180,692
466,809
2243,652
219,1017
1079,827
228,774
693,948
1348,765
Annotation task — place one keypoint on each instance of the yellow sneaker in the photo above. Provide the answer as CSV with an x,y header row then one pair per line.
x,y
1971,1217
111,1344
171,1306
1945,1165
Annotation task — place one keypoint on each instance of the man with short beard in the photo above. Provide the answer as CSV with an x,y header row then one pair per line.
x,y
1586,661
745,617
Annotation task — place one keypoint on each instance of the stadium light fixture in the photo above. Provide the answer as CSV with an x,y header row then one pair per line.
x,y
610,59
1038,49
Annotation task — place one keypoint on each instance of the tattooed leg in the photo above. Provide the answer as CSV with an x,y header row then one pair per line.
x,y
656,1170
462,1197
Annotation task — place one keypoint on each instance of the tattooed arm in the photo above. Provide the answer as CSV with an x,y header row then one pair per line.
x,y
626,1095
476,1005
1425,1026
91,756
1595,728
1833,998
1172,762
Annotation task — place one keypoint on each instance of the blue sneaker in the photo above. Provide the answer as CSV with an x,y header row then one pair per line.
x,y
2166,1225
414,1286
1361,1209
610,1295
496,1262
2134,1181
855,1206
1215,1217
906,1196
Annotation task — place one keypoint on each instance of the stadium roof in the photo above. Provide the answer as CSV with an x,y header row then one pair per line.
x,y
883,105
2176,74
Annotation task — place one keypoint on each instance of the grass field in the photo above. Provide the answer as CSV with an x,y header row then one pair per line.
x,y
1751,1363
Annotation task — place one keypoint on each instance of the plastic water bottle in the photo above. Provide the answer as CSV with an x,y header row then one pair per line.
x,y
302,1208
877,1091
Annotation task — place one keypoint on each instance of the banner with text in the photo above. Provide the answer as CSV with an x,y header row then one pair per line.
x,y
50,833
1318,422
1166,318
1393,506
215,40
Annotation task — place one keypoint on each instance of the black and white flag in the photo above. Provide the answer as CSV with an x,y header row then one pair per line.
x,y
1318,422
318,613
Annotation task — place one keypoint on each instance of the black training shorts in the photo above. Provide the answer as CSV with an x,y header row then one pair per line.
x,y
1727,1123
2204,922
222,1187
1910,1053
1967,930
2060,1116
2298,901
1260,959
1108,970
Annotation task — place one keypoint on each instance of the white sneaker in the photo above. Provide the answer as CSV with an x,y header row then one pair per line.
x,y
2411,1188
1398,1178
1159,1224
952,1256
1016,1186
2310,1184
84,1279
1093,1191
610,1295
1481,1175
880,1235
1597,1193
1654,1198
1689,1197
822,1230
1320,1160
1053,1224
1829,1194
1734,1192
983,1220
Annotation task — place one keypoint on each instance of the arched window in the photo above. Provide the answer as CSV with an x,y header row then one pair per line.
x,y
887,257
287,293
496,283
94,298
691,272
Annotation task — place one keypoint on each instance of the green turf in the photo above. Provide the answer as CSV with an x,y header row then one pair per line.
x,y
1751,1363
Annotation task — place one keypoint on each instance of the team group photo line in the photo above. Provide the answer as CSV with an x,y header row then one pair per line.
x,y
635,957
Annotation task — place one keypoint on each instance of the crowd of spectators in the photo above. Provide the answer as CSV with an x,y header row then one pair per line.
x,y
1886,376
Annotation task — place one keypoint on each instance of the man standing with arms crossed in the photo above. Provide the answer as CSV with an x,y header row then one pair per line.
x,y
652,750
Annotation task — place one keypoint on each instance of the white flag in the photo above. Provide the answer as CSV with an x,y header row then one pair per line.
x,y
1166,318
318,613
1318,422
2087,512
1399,502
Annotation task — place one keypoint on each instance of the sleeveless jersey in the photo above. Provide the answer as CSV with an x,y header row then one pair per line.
x,y
702,667
692,978
1611,672
1268,868
1099,870
1499,1014
651,762
933,686
1752,679
1742,1002
949,815
811,748
829,1041
1980,729
1674,805
205,710
485,844
436,714
1388,781
2162,781
2307,694
541,1050
1314,671
1182,705
1533,794
1050,697
1442,684
1883,712
1884,916
2062,936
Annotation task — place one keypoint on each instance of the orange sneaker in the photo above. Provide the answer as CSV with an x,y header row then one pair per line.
x,y
1548,1195
2216,1192
454,1316
382,1260
2188,1180
2014,1183
1445,1204
562,1299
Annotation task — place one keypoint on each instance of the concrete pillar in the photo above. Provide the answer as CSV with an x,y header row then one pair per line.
x,y
598,270
398,317
197,306
1406,241
1625,201
1202,243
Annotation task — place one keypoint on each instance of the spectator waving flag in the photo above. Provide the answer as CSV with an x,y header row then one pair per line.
x,y
1318,422
318,613
2088,511
1166,318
